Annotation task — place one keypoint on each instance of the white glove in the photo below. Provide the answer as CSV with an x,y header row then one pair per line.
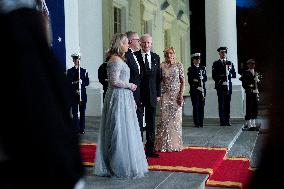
x,y
229,67
81,81
256,79
255,91
200,88
225,83
201,77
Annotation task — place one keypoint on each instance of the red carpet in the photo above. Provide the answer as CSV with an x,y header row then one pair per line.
x,y
233,172
88,152
191,159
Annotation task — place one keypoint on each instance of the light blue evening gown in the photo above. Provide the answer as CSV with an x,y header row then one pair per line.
x,y
120,151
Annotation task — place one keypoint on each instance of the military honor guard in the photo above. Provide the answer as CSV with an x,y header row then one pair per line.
x,y
79,79
250,80
196,79
222,72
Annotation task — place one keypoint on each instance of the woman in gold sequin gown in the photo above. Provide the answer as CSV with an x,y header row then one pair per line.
x,y
169,127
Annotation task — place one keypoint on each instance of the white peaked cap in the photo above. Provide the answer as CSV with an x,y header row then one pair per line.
x,y
195,55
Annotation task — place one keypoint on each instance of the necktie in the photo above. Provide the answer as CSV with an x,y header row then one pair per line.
x,y
146,62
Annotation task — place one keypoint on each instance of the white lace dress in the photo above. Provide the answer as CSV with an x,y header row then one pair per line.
x,y
120,151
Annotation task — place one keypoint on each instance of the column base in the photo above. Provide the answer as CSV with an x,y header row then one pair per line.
x,y
237,103
95,102
211,102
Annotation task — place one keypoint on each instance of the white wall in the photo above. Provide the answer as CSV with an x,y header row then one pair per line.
x,y
71,30
83,32
91,44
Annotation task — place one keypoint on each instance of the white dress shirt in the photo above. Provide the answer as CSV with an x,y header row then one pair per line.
x,y
135,60
149,57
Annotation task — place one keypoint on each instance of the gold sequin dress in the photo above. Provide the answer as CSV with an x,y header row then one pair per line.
x,y
169,127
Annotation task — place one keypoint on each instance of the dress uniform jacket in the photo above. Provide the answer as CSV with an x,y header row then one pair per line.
x,y
194,78
248,82
72,75
219,75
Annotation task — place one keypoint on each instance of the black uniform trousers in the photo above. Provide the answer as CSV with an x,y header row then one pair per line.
x,y
198,103
79,117
224,101
251,106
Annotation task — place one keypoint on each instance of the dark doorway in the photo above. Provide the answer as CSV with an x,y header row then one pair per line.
x,y
197,28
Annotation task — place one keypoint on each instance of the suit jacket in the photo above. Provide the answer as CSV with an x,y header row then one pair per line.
x,y
219,75
194,81
150,87
72,75
135,76
102,75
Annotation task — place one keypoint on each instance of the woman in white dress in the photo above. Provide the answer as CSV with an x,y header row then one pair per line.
x,y
120,151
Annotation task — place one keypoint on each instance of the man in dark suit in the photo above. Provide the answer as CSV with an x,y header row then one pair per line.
x,y
79,80
135,72
150,89
196,79
222,73
102,76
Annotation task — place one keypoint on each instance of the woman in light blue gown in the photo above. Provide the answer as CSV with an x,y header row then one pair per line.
x,y
120,151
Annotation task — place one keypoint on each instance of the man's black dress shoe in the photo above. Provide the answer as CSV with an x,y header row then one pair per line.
x,y
154,155
82,132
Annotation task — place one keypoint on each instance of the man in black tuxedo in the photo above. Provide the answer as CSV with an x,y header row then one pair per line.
x,y
135,72
150,89
222,72
102,76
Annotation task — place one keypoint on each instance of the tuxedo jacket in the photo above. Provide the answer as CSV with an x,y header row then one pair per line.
x,y
102,75
135,76
150,86
219,74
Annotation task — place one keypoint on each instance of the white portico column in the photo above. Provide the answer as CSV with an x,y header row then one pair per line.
x,y
83,32
220,24
91,45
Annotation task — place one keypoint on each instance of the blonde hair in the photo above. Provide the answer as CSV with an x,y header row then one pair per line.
x,y
115,45
174,51
167,49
